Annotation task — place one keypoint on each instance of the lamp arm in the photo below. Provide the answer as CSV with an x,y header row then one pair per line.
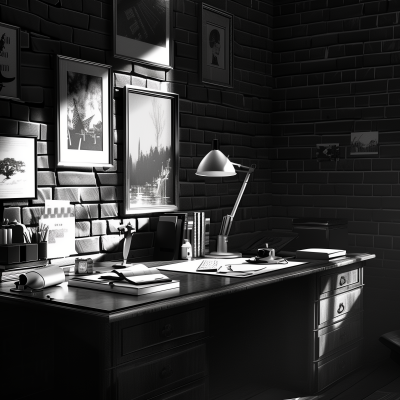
x,y
228,219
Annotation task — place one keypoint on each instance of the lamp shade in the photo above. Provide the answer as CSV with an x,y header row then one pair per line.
x,y
215,164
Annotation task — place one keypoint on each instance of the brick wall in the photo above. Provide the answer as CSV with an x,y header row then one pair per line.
x,y
239,117
336,67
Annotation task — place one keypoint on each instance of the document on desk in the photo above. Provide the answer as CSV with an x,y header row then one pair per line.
x,y
237,267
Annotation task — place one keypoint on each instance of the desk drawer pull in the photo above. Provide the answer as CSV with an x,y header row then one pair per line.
x,y
166,330
166,372
342,281
341,308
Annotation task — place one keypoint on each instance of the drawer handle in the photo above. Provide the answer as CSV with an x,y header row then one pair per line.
x,y
341,308
166,372
166,331
342,281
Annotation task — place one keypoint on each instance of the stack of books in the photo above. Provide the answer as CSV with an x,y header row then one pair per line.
x,y
198,233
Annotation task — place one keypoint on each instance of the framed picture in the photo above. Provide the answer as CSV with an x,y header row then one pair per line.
x,y
364,144
84,123
142,31
216,46
10,62
327,152
18,167
151,162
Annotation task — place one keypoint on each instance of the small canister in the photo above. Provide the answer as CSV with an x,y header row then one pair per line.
x,y
83,266
186,250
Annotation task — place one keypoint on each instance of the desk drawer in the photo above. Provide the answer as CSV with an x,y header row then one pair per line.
x,y
331,282
340,334
195,391
157,374
334,307
161,334
334,368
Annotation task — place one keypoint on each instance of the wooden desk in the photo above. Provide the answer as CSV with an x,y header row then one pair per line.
x,y
298,328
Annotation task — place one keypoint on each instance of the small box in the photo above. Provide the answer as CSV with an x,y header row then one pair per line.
x,y
83,266
28,252
9,254
42,250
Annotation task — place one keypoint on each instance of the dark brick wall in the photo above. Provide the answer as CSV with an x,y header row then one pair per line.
x,y
336,69
239,117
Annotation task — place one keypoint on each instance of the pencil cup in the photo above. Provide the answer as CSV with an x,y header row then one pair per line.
x,y
42,250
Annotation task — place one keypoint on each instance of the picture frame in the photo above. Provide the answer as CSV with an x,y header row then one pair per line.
x,y
142,32
364,144
10,49
84,119
151,151
327,152
18,167
216,46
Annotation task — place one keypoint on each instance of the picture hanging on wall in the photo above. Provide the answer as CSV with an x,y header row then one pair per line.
x,y
84,125
151,160
327,152
18,170
142,32
9,61
216,46
364,143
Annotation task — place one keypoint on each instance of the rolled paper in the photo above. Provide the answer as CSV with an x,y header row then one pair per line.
x,y
42,277
9,236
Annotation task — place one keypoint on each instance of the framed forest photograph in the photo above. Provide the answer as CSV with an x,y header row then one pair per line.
x,y
10,85
216,46
142,32
84,123
18,172
151,160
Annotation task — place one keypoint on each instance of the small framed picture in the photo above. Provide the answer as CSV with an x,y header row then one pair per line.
x,y
142,32
364,143
151,162
84,123
216,46
10,62
18,170
328,152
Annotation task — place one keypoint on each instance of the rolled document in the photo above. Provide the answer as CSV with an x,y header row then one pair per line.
x,y
42,277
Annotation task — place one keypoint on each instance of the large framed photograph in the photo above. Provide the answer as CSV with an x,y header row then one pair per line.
x,y
142,32
18,172
151,160
84,123
364,144
10,62
216,46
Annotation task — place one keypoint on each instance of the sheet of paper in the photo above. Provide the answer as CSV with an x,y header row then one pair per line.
x,y
191,267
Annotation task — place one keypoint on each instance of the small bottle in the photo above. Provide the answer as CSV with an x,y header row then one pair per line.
x,y
186,250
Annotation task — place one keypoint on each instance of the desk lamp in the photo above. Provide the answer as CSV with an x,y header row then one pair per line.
x,y
216,164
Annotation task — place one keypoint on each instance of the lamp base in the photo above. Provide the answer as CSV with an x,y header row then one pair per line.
x,y
218,254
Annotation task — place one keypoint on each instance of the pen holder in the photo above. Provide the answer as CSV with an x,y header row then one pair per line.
x,y
42,250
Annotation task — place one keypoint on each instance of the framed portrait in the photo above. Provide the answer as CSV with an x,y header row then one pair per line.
x,y
10,85
142,32
327,152
151,162
216,46
364,144
84,123
18,167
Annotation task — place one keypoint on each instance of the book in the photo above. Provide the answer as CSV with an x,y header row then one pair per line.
x,y
131,280
207,223
320,254
181,229
165,239
202,233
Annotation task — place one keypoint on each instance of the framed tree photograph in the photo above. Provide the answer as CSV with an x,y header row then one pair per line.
x,y
216,46
18,172
364,144
151,162
84,123
10,62
142,32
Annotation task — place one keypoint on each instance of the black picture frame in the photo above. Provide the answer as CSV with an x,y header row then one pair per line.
x,y
216,46
10,49
142,32
18,165
151,164
84,113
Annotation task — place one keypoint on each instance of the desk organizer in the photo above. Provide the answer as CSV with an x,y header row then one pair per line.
x,y
22,252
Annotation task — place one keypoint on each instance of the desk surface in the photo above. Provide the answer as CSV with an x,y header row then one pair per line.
x,y
193,288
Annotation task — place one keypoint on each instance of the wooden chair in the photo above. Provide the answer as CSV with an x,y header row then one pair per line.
x,y
392,341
